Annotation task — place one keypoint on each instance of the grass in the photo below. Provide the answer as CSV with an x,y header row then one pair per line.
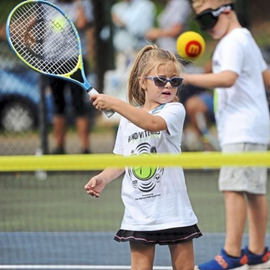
x,y
61,204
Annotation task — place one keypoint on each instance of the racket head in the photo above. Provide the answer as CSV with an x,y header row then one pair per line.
x,y
45,39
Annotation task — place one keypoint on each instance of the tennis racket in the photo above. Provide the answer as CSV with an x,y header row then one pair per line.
x,y
45,39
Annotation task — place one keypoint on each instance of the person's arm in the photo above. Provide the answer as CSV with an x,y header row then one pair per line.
x,y
155,33
81,21
266,79
140,117
97,183
224,79
117,21
135,115
173,18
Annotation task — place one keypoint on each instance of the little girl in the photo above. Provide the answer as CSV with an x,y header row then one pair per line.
x,y
157,206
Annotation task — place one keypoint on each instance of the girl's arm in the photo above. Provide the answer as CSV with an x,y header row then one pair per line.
x,y
97,183
135,115
140,117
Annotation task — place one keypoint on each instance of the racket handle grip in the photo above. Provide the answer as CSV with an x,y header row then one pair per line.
x,y
108,113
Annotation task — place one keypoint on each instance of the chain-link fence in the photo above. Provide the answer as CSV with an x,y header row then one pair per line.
x,y
26,106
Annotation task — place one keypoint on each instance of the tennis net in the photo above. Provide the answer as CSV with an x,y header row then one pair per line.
x,y
49,222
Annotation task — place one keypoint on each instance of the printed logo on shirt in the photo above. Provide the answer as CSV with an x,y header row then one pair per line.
x,y
142,135
145,179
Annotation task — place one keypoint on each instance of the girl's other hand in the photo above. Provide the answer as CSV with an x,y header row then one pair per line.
x,y
95,185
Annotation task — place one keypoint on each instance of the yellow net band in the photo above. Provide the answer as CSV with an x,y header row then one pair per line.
x,y
101,161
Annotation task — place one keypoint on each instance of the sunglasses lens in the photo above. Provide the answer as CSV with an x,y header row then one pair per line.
x,y
206,21
160,81
176,82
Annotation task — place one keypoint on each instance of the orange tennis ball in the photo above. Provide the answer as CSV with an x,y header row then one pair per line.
x,y
190,45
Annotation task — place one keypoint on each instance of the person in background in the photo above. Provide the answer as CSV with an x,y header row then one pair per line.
x,y
172,21
199,104
239,78
131,20
200,115
157,206
81,14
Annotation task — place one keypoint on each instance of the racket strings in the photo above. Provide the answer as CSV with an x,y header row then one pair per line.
x,y
40,43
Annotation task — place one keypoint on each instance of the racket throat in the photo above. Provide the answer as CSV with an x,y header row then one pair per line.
x,y
77,75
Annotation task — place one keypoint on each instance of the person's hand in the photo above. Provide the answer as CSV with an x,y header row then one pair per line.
x,y
103,102
117,21
153,34
95,185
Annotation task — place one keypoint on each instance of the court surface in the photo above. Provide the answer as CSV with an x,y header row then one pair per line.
x,y
87,250
54,224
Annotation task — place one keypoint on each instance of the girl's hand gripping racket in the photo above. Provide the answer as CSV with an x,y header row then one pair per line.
x,y
44,38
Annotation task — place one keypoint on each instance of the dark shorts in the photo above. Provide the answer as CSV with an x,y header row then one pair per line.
x,y
78,95
161,237
58,87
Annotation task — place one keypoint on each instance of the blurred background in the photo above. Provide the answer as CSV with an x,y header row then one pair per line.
x,y
26,105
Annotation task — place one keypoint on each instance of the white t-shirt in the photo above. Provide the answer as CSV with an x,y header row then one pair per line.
x,y
242,113
155,198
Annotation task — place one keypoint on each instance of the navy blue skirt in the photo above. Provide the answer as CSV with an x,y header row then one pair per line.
x,y
161,237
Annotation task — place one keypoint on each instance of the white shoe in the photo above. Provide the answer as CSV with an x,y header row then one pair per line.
x,y
243,267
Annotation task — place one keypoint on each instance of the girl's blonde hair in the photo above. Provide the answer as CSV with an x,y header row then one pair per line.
x,y
150,57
